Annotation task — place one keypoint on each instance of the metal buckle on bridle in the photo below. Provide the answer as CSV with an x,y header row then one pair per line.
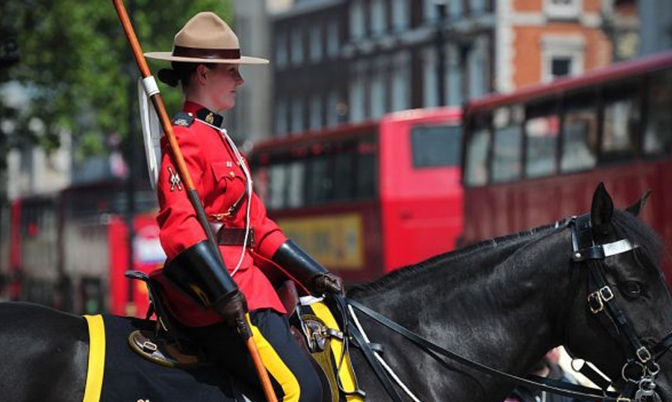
x,y
643,354
597,299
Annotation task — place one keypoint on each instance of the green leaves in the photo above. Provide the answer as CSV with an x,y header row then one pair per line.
x,y
77,63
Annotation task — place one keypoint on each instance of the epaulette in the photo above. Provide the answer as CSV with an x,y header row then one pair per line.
x,y
183,119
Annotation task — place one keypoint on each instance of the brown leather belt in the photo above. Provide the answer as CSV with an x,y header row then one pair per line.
x,y
234,237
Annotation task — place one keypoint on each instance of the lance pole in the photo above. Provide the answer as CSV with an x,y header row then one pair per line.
x,y
152,90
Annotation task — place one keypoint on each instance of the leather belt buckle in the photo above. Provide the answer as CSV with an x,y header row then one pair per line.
x,y
235,237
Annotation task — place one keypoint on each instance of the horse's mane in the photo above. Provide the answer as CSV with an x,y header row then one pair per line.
x,y
626,223
640,233
454,258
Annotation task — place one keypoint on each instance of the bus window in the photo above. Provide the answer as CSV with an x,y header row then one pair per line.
x,y
506,158
296,182
277,183
344,176
367,171
319,180
621,121
476,169
434,146
260,183
579,134
541,131
658,135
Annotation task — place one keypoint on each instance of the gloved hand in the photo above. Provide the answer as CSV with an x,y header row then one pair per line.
x,y
327,283
233,308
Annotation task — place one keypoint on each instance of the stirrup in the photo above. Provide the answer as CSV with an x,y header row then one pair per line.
x,y
163,352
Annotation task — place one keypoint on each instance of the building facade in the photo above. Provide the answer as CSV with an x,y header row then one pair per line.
x,y
347,61
339,61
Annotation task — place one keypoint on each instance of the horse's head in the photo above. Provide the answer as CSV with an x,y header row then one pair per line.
x,y
621,324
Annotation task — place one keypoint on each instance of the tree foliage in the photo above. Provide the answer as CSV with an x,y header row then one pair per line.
x,y
77,67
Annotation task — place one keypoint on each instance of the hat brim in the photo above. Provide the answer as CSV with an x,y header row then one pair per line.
x,y
168,56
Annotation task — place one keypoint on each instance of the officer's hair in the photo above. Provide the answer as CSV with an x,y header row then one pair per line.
x,y
180,72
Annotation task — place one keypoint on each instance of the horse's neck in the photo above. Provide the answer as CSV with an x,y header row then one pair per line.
x,y
505,312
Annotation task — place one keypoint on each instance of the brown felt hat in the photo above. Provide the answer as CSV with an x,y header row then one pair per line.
x,y
206,38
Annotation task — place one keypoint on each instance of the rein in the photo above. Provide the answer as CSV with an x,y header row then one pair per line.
x,y
566,389
600,300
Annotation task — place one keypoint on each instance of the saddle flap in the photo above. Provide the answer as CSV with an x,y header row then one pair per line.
x,y
322,336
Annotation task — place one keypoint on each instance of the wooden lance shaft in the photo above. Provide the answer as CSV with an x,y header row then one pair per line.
x,y
185,176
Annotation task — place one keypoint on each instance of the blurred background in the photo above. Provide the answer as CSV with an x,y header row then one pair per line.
x,y
383,132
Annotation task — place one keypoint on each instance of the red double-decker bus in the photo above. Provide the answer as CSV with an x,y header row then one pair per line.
x,y
365,199
536,155
70,249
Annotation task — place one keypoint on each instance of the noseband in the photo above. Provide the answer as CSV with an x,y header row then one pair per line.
x,y
641,367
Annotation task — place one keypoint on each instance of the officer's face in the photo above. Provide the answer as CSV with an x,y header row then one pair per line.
x,y
222,83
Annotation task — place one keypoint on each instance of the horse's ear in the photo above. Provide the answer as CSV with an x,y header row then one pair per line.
x,y
602,209
638,205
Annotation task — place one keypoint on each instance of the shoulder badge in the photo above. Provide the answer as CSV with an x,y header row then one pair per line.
x,y
183,119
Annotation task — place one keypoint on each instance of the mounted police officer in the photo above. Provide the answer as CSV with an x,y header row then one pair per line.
x,y
209,299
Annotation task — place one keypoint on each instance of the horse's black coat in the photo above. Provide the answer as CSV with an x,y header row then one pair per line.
x,y
504,303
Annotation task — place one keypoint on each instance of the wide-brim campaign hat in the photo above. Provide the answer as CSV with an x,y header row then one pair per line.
x,y
206,38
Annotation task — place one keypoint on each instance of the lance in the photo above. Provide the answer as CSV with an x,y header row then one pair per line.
x,y
152,90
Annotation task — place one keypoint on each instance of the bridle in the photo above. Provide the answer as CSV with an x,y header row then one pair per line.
x,y
601,302
641,368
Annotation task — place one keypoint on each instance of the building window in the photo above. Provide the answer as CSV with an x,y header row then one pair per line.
x,y
281,50
429,78
561,55
357,94
454,79
357,19
401,77
281,118
316,43
297,46
297,116
400,14
563,8
378,89
477,62
315,112
455,9
332,108
378,17
476,7
561,66
333,43
431,11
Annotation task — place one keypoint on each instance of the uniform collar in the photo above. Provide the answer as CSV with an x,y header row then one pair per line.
x,y
203,113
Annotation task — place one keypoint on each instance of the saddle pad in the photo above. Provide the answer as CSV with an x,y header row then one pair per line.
x,y
346,375
126,376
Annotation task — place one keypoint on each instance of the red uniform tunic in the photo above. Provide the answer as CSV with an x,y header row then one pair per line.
x,y
220,182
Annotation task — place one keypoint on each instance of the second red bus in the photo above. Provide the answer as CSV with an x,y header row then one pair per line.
x,y
367,198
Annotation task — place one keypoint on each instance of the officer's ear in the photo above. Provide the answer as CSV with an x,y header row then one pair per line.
x,y
201,74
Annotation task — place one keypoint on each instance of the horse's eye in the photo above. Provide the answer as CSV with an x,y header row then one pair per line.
x,y
632,288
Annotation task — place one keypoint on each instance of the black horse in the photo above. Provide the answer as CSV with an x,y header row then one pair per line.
x,y
504,303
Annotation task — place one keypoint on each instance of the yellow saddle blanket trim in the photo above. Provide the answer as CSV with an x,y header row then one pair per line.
x,y
96,367
345,373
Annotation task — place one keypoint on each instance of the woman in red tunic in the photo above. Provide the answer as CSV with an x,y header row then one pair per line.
x,y
210,299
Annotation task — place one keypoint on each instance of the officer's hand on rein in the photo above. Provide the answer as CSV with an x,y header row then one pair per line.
x,y
233,308
328,283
